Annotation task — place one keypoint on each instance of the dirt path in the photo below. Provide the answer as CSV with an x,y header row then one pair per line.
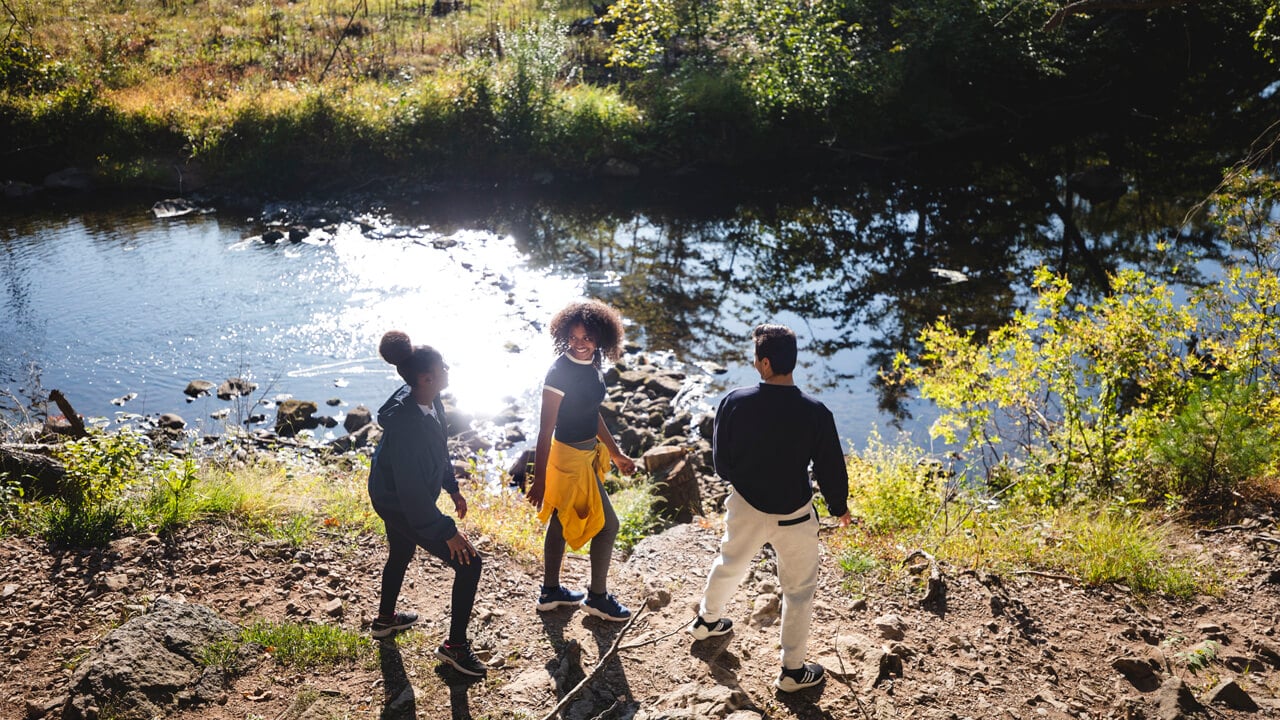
x,y
1016,647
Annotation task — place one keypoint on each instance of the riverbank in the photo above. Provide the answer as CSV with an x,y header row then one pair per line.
x,y
310,95
1010,644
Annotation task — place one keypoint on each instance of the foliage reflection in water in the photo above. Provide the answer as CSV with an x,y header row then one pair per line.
x,y
105,303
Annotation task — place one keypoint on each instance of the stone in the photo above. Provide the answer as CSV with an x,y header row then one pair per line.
x,y
367,436
357,418
1175,701
235,387
613,167
677,492
71,178
294,415
1229,693
766,610
170,421
1143,673
151,664
890,627
663,386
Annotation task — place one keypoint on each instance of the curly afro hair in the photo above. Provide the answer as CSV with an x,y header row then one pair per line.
x,y
599,320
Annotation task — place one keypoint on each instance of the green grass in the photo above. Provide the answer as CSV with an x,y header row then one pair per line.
x,y
902,504
294,645
307,646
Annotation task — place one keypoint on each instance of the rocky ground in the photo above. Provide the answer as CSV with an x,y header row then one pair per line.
x,y
1019,646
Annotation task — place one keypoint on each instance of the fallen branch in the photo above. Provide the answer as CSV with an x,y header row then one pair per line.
x,y
1051,576
935,588
1087,6
651,641
613,649
1220,529
77,425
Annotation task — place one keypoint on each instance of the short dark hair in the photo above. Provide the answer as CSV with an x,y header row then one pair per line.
x,y
410,360
602,323
778,343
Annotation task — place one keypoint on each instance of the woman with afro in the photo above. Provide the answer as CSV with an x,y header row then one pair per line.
x,y
573,453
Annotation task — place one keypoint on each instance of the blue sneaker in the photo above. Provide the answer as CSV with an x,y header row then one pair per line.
x,y
606,607
560,596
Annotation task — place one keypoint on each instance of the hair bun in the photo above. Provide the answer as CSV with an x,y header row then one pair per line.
x,y
395,347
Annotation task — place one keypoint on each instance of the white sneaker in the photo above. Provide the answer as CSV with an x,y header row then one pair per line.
x,y
807,675
701,629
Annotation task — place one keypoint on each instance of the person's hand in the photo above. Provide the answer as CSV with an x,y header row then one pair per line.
x,y
626,465
845,519
537,489
460,548
459,504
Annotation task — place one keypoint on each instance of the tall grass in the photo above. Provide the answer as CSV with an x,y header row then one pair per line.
x,y
250,90
904,503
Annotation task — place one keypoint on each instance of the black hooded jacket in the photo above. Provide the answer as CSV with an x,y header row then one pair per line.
x,y
411,466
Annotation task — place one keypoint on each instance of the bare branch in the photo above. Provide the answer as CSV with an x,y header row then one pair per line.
x,y
1088,6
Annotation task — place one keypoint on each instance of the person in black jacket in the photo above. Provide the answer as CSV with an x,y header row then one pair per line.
x,y
764,439
409,469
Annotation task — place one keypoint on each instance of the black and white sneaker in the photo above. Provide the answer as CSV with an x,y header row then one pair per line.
x,y
606,607
805,676
557,597
461,658
701,629
384,627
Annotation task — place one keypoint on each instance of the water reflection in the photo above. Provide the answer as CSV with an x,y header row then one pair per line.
x,y
107,302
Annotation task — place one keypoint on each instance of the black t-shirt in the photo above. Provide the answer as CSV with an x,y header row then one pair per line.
x,y
581,389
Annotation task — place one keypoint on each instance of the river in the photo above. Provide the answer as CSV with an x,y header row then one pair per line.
x,y
104,303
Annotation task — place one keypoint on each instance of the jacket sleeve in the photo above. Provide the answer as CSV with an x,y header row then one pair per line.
x,y
829,466
722,441
416,470
447,479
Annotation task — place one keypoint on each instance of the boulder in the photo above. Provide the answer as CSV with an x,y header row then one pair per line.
x,y
235,387
71,178
676,488
152,664
198,388
357,418
293,416
1145,673
170,421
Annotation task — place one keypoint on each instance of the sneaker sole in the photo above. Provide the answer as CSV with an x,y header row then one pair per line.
x,y
604,615
703,633
543,607
444,657
790,686
387,632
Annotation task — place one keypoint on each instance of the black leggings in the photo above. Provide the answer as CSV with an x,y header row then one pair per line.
x,y
601,548
403,543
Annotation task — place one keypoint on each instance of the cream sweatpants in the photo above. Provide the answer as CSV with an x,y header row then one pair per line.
x,y
794,538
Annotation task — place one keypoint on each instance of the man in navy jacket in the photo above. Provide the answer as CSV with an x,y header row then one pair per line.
x,y
765,439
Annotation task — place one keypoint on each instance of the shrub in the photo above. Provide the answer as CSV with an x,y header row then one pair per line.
x,y
1217,440
892,488
98,470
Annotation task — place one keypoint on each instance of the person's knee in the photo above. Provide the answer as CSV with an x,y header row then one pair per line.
x,y
400,557
472,569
